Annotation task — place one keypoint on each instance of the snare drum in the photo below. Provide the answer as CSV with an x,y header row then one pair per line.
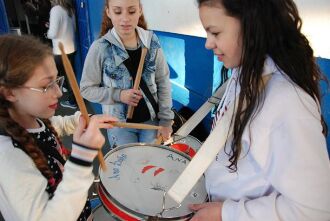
x,y
137,177
189,144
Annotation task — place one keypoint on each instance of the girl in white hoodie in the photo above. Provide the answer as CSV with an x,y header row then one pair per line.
x,y
274,165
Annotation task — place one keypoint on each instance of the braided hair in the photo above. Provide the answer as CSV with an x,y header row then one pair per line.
x,y
19,56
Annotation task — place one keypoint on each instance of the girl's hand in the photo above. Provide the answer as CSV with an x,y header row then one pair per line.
x,y
207,211
165,132
130,97
92,136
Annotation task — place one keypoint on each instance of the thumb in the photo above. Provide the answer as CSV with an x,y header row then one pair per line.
x,y
81,127
196,207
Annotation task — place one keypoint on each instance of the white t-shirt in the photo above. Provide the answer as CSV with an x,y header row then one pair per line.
x,y
62,29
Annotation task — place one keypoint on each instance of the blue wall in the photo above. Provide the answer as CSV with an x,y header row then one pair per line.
x,y
4,27
325,68
95,17
192,68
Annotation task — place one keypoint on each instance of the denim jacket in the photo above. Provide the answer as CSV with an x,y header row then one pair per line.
x,y
105,75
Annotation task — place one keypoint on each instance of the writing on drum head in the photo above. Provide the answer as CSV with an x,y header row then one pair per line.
x,y
158,187
116,166
178,159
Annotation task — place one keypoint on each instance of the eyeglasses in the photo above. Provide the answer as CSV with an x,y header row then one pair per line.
x,y
56,84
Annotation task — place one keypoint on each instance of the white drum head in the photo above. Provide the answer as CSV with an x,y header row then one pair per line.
x,y
138,175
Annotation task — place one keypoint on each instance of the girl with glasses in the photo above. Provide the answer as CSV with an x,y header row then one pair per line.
x,y
36,183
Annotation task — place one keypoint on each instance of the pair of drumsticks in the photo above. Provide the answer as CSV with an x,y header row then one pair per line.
x,y
75,88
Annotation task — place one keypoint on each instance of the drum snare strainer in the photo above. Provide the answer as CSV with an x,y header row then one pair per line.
x,y
137,178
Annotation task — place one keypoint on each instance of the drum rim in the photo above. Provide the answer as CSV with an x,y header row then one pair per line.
x,y
188,136
118,205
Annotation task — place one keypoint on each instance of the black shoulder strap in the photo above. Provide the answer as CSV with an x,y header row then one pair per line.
x,y
143,85
147,92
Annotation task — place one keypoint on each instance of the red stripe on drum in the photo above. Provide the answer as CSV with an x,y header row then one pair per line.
x,y
146,168
158,171
112,207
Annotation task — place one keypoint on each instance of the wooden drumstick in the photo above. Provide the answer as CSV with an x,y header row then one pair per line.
x,y
137,80
159,140
135,126
75,88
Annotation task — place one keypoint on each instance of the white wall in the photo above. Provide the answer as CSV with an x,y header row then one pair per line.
x,y
176,16
316,24
181,16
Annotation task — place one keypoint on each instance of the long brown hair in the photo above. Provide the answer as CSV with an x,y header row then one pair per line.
x,y
269,27
107,23
19,57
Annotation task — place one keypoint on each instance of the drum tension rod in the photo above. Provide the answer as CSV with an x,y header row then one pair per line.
x,y
160,215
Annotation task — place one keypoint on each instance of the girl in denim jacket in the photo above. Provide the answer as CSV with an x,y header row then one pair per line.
x,y
110,68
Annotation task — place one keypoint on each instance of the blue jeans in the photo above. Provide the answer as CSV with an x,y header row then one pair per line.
x,y
120,136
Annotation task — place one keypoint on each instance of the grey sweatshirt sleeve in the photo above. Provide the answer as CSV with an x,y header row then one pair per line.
x,y
165,114
91,86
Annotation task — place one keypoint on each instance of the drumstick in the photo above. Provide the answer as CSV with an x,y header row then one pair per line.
x,y
74,85
137,80
160,137
135,126
159,140
169,141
